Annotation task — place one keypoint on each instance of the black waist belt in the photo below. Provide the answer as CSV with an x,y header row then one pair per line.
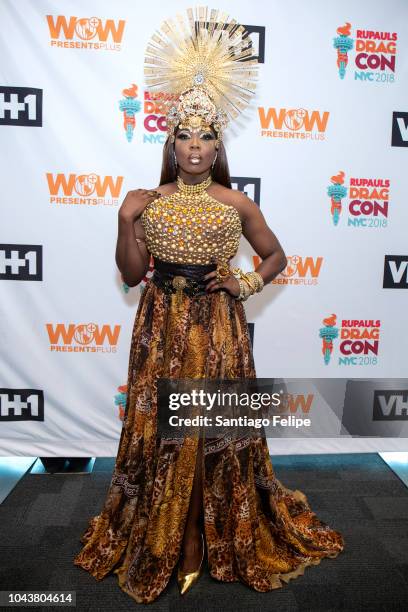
x,y
186,277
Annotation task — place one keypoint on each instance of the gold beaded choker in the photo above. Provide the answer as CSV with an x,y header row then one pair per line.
x,y
193,189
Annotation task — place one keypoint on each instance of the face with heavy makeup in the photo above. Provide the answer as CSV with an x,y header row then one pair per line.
x,y
195,149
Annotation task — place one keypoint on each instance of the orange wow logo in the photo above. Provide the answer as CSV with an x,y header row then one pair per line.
x,y
299,270
83,338
295,123
85,32
88,189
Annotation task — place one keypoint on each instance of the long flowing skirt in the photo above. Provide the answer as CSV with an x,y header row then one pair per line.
x,y
256,530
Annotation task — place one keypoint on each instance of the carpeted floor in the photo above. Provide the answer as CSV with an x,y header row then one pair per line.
x,y
43,517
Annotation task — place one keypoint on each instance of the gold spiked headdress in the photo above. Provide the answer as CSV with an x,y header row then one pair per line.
x,y
203,69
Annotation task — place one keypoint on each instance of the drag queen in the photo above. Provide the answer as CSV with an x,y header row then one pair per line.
x,y
172,500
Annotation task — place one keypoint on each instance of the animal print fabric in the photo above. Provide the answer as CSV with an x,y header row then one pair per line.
x,y
256,530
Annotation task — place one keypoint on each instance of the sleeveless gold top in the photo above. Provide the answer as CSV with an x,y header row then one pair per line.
x,y
191,227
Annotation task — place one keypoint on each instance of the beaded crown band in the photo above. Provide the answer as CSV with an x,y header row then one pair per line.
x,y
203,69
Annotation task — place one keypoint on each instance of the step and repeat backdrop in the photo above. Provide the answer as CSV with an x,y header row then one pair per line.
x,y
322,151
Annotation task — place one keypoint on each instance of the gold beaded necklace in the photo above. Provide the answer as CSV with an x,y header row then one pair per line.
x,y
193,189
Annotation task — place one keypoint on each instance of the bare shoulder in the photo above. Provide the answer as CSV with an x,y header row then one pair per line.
x,y
167,188
233,197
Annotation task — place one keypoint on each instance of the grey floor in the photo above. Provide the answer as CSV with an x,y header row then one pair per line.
x,y
43,517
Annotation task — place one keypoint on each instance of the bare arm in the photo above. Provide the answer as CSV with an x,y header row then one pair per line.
x,y
262,239
132,256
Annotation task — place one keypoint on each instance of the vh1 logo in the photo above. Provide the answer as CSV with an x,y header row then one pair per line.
x,y
21,106
21,262
395,272
250,186
21,405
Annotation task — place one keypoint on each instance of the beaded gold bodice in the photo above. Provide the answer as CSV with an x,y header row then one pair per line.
x,y
191,227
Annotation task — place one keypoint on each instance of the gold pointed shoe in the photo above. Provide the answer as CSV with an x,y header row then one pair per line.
x,y
186,580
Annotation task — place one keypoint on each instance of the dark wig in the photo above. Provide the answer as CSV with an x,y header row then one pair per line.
x,y
220,173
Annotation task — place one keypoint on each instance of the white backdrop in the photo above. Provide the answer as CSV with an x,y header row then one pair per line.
x,y
66,318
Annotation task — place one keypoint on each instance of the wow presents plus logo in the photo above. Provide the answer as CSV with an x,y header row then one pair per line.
x,y
83,337
154,108
300,271
357,340
293,123
371,53
362,201
84,189
85,32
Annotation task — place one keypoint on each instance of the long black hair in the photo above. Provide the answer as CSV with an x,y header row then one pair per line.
x,y
220,173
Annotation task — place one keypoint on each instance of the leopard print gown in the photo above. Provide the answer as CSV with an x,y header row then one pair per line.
x,y
256,530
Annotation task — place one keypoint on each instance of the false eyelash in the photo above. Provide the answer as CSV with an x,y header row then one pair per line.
x,y
206,136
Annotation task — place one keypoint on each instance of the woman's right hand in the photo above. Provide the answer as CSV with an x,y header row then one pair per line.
x,y
135,202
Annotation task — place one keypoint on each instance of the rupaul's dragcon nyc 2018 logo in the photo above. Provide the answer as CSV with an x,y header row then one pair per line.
x,y
357,341
361,201
372,53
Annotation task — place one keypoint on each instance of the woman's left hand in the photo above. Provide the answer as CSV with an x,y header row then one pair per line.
x,y
230,284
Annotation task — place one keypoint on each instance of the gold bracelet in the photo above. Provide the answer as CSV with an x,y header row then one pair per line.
x,y
249,282
258,280
245,288
244,293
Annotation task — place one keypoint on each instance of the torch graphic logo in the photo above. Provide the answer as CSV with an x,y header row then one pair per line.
x,y
328,333
129,106
336,191
343,43
120,400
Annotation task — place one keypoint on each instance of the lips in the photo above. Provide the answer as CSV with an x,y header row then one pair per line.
x,y
195,159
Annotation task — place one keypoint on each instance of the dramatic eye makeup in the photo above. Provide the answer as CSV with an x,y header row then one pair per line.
x,y
183,135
